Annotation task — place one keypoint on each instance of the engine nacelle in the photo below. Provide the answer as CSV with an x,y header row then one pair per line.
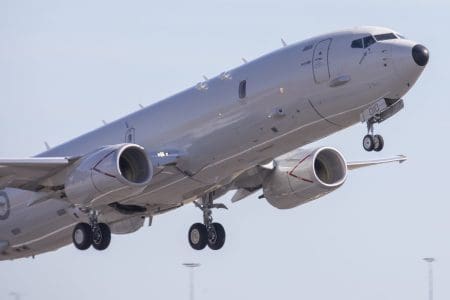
x,y
108,173
305,176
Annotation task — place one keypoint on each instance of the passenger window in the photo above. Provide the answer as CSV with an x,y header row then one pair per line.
x,y
357,43
385,36
242,89
368,40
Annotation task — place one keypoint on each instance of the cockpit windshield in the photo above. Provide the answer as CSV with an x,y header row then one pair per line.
x,y
385,36
363,42
369,40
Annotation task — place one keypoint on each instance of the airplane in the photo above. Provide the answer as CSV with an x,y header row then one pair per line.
x,y
244,131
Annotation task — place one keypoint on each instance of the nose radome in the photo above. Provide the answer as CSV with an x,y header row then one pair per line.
x,y
420,55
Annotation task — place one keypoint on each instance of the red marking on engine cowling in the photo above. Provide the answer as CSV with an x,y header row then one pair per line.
x,y
291,172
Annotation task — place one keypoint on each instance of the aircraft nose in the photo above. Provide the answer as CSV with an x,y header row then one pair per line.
x,y
420,55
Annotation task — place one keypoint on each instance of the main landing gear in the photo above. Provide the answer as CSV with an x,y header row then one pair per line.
x,y
96,234
372,142
208,233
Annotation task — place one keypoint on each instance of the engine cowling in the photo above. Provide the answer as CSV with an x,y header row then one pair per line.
x,y
108,173
305,176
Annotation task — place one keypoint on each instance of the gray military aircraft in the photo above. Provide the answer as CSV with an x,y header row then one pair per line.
x,y
240,130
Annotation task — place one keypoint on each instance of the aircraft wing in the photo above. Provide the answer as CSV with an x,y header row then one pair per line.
x,y
361,164
26,173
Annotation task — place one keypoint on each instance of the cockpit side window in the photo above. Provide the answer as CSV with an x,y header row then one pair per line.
x,y
357,43
368,40
385,36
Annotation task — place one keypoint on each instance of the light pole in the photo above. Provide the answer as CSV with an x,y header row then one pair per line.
x,y
430,261
191,267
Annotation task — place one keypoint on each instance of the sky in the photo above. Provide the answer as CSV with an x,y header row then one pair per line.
x,y
67,65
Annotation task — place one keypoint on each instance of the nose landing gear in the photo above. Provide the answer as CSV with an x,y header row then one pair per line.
x,y
208,233
372,142
378,112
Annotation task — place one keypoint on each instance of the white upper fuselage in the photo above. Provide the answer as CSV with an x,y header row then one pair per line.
x,y
293,96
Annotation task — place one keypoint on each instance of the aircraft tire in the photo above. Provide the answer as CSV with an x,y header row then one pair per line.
x,y
82,236
368,143
102,238
378,143
217,242
198,236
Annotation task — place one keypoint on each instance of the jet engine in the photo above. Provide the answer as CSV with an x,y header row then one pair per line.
x,y
109,173
304,176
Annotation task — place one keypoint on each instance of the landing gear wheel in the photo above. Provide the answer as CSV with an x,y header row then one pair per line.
x,y
198,236
368,143
82,236
378,142
216,237
101,236
208,233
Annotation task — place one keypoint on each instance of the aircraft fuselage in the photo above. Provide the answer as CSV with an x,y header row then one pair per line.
x,y
227,124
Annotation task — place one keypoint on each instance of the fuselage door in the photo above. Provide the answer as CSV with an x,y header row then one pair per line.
x,y
320,66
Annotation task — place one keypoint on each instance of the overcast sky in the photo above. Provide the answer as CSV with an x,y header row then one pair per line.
x,y
67,65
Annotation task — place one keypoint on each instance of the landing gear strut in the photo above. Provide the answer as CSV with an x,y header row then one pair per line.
x,y
96,234
208,233
378,112
372,142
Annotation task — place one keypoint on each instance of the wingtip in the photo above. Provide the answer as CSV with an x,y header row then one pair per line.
x,y
402,158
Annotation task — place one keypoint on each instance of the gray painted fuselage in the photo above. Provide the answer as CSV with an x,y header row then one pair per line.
x,y
290,101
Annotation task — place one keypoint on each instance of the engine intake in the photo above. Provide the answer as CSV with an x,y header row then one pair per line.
x,y
133,165
330,168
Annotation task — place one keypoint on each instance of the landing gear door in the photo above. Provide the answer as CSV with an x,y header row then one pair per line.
x,y
320,66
